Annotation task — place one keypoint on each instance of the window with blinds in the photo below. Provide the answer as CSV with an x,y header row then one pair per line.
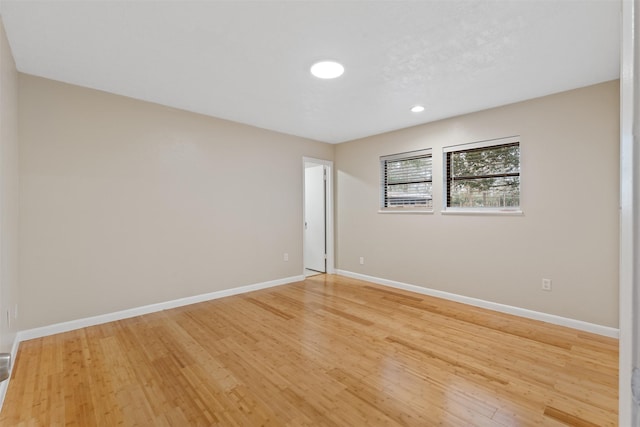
x,y
406,182
483,175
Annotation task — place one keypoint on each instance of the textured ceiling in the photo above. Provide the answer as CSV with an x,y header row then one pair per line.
x,y
248,61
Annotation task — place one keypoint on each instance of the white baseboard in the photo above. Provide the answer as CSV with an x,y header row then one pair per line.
x,y
503,308
152,308
125,314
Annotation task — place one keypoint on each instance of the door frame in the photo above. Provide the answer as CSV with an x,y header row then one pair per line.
x,y
330,264
629,285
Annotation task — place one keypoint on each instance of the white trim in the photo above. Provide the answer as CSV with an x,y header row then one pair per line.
x,y
4,386
502,308
488,211
407,155
481,144
390,211
152,308
132,312
629,163
330,267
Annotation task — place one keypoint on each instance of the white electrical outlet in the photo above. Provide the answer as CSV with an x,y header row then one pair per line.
x,y
285,257
361,260
546,284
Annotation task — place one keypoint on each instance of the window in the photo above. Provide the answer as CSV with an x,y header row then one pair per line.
x,y
406,182
484,175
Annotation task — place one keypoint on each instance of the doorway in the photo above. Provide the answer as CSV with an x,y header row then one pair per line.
x,y
318,218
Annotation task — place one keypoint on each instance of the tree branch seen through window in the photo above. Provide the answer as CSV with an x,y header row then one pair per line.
x,y
486,177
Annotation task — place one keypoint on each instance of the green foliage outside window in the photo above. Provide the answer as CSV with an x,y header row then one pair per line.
x,y
487,177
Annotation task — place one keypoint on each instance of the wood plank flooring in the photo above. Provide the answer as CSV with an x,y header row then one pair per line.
x,y
329,351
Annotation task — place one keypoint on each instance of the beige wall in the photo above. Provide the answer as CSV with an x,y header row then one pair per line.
x,y
126,203
568,233
8,193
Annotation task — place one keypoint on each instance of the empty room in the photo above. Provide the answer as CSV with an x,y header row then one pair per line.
x,y
319,213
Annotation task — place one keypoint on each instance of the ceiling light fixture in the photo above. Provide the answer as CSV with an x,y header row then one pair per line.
x,y
417,109
327,69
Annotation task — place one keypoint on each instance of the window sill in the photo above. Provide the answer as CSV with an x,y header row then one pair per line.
x,y
497,212
406,212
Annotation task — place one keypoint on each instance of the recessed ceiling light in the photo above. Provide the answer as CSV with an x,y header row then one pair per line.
x,y
417,109
327,69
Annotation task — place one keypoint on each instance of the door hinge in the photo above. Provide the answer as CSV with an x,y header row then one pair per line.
x,y
325,256
324,173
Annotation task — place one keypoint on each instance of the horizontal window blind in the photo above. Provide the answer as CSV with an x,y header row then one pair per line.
x,y
406,181
484,177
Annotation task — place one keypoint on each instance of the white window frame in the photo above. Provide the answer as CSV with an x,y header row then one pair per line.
x,y
478,211
402,156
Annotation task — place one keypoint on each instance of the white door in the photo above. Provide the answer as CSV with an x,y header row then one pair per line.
x,y
314,221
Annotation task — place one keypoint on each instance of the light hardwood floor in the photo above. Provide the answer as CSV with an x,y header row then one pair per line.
x,y
329,351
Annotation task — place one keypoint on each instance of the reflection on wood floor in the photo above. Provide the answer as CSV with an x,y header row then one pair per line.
x,y
329,351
